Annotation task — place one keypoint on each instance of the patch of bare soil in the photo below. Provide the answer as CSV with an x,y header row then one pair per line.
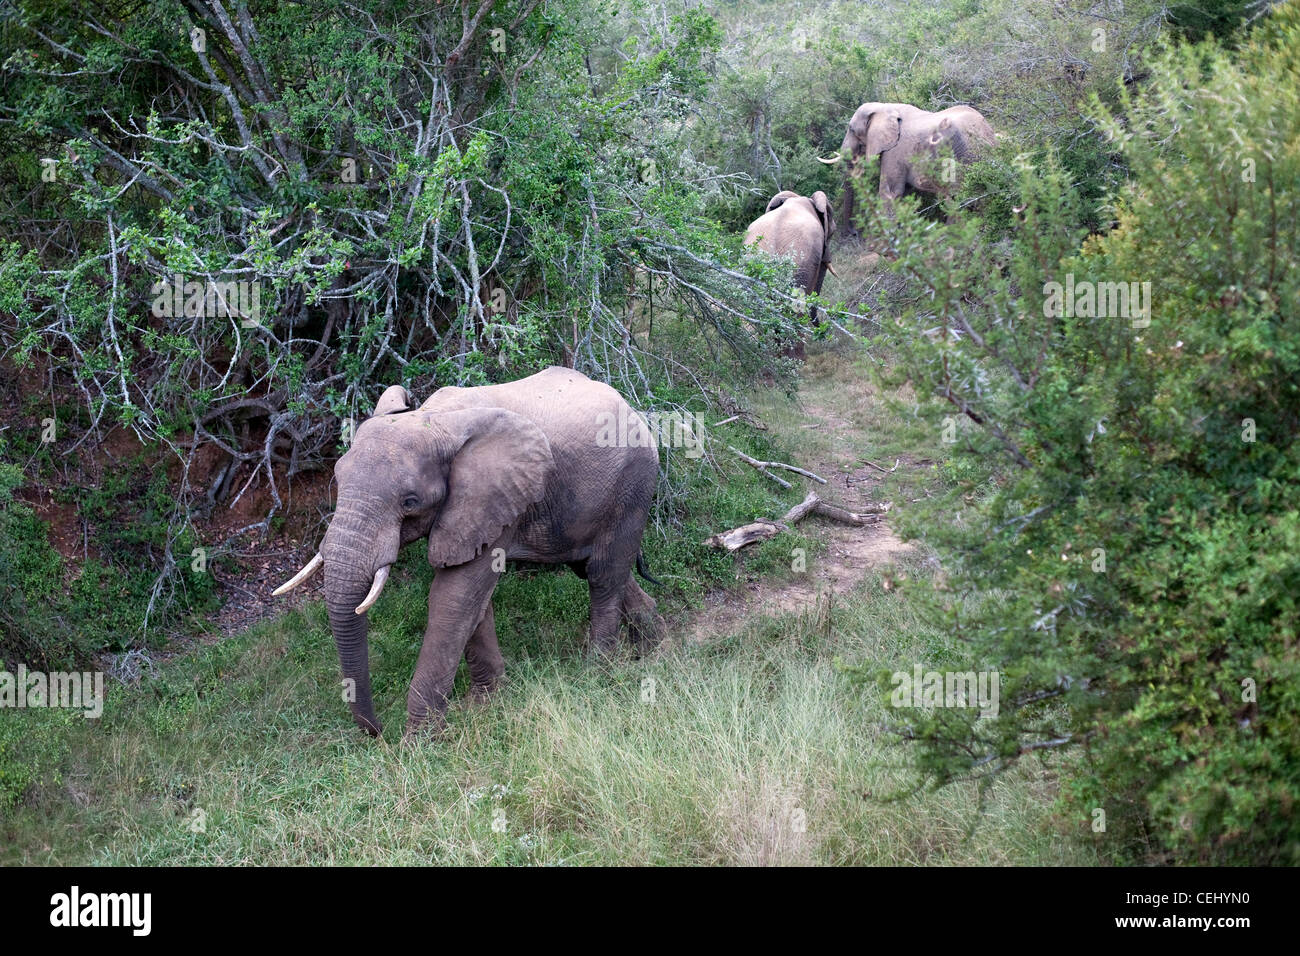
x,y
851,552
257,563
245,593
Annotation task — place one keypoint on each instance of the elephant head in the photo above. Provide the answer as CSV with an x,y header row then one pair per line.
x,y
458,477
819,200
874,128
777,201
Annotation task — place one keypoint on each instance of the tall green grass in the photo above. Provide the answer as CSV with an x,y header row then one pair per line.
x,y
749,749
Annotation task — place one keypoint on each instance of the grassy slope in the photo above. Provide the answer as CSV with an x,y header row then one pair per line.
x,y
746,736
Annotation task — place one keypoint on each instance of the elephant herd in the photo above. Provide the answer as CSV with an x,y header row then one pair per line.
x,y
918,149
531,470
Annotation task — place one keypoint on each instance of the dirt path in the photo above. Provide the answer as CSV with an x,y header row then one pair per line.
x,y
851,552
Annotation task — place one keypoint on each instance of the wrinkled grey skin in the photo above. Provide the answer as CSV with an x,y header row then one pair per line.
x,y
516,467
799,227
907,138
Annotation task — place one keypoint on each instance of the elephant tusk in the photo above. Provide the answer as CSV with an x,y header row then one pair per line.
x,y
312,567
380,577
831,269
832,161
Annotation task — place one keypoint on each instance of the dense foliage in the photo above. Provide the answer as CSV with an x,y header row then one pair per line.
x,y
230,227
1126,547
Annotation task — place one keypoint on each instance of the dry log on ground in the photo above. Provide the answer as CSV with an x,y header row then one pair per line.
x,y
763,528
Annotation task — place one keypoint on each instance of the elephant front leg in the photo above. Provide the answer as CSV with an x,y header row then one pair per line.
x,y
893,186
459,602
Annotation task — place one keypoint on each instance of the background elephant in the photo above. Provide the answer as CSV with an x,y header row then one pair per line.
x,y
522,467
799,227
905,137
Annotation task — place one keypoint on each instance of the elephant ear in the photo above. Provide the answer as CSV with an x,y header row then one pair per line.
x,y
779,199
942,131
823,207
395,399
882,124
499,465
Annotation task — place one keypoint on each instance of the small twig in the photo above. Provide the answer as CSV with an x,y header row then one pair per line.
x,y
762,468
878,468
726,421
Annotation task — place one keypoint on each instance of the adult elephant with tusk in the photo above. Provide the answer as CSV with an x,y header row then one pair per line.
x,y
908,140
553,468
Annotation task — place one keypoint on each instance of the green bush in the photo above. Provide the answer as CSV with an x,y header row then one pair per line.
x,y
31,578
51,618
1136,555
33,748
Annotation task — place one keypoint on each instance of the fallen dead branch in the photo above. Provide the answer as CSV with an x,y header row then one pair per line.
x,y
763,467
763,528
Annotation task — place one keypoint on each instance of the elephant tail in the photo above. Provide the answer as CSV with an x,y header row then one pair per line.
x,y
643,571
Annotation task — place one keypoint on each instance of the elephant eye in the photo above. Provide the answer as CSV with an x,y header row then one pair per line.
x,y
410,503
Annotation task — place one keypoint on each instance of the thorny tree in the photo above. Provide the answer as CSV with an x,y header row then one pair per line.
x,y
441,197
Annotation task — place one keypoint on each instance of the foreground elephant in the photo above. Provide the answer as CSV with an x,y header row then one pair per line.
x,y
524,471
907,140
799,227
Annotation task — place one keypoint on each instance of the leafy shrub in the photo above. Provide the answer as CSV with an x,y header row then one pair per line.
x,y
52,618
1137,557
33,746
31,577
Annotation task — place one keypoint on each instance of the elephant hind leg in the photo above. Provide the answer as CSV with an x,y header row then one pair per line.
x,y
482,653
606,613
645,625
609,570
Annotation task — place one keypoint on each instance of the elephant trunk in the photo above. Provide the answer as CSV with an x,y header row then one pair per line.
x,y
356,564
961,147
846,203
848,148
350,636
